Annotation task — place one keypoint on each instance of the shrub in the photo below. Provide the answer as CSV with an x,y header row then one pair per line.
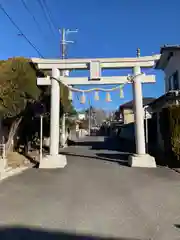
x,y
170,130
174,120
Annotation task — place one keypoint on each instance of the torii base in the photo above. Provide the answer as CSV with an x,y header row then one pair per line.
x,y
51,162
144,160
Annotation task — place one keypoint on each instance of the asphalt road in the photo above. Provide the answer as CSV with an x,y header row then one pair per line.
x,y
95,195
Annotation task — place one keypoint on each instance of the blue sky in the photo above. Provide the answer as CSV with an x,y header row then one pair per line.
x,y
106,29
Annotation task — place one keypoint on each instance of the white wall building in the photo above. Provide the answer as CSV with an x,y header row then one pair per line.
x,y
81,116
169,62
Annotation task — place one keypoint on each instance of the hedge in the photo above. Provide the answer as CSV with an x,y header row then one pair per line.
x,y
170,131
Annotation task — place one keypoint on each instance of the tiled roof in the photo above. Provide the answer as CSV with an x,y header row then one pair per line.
x,y
129,105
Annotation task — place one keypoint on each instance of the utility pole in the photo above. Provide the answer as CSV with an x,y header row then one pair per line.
x,y
64,32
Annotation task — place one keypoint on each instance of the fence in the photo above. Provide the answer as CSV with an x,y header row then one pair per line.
x,y
3,159
3,151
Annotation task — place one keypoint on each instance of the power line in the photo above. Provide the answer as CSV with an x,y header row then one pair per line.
x,y
32,15
21,33
45,15
50,15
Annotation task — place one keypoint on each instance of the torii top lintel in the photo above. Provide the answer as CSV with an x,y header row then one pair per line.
x,y
105,63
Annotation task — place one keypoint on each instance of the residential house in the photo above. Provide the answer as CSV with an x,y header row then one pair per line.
x,y
81,116
169,64
127,112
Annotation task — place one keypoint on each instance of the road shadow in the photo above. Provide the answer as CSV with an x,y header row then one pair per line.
x,y
114,156
122,146
104,157
22,233
119,144
109,143
120,158
127,146
177,226
91,144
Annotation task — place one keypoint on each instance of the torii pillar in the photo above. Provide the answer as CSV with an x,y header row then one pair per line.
x,y
141,158
54,159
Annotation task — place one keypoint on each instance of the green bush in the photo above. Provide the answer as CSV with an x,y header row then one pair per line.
x,y
174,117
170,130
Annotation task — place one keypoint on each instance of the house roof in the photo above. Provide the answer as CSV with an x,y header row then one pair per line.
x,y
129,105
167,51
165,99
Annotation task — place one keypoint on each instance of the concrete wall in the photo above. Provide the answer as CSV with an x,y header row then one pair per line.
x,y
127,132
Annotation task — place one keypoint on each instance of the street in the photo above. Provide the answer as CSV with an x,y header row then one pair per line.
x,y
96,194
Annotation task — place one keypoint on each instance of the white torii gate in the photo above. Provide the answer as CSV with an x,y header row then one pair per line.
x,y
54,159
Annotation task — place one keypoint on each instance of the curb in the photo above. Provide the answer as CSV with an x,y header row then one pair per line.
x,y
9,172
176,170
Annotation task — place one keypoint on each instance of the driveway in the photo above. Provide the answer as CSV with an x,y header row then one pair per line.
x,y
91,196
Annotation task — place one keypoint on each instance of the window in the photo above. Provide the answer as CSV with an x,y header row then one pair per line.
x,y
170,83
173,82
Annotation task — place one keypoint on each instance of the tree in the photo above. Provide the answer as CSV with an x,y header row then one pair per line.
x,y
66,104
17,88
20,98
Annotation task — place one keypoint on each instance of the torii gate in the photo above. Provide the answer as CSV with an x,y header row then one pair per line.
x,y
54,159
